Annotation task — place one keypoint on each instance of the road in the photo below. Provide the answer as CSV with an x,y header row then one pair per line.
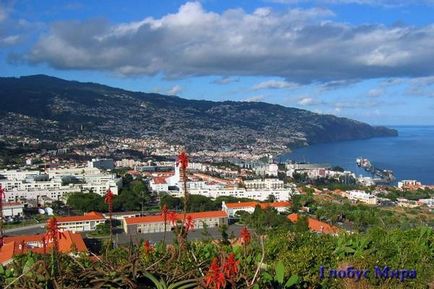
x,y
26,230
213,233
123,238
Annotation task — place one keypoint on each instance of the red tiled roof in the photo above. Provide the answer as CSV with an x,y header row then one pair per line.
x,y
316,225
159,218
159,180
14,245
9,204
91,216
7,252
254,204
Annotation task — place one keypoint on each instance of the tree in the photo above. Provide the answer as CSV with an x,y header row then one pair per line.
x,y
86,202
171,202
271,198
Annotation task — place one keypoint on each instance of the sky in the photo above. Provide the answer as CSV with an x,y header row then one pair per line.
x,y
369,60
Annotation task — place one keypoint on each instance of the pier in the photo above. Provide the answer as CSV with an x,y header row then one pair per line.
x,y
384,176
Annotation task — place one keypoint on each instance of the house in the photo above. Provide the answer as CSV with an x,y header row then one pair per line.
x,y
155,224
87,222
401,202
232,208
159,184
315,225
362,196
16,245
13,209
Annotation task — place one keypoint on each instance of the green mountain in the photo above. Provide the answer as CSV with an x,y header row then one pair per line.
x,y
52,108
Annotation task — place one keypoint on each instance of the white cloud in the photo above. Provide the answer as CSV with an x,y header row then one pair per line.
x,y
255,98
298,45
307,101
384,3
274,84
175,90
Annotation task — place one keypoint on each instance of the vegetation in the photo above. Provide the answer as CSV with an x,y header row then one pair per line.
x,y
283,259
394,194
198,203
131,197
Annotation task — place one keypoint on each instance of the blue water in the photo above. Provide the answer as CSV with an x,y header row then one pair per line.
x,y
409,156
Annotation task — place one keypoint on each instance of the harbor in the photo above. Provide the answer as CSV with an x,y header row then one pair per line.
x,y
379,175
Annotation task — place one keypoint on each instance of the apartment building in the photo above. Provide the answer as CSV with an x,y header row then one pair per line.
x,y
232,208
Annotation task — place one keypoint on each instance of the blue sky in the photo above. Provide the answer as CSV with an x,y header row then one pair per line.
x,y
370,60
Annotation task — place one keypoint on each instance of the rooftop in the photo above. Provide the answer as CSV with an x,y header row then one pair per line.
x,y
21,244
254,204
315,225
159,218
91,216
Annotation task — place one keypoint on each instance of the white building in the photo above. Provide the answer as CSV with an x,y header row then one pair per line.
x,y
409,184
427,202
267,170
13,209
268,184
362,196
155,224
104,164
159,184
27,185
401,202
87,222
259,195
232,208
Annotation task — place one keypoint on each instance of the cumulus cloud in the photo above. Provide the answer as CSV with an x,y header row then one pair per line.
x,y
385,3
255,98
175,90
298,45
274,84
308,101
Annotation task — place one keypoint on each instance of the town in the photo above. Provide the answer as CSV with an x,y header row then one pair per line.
x,y
221,193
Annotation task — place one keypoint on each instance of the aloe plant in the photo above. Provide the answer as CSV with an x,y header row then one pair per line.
x,y
161,284
278,280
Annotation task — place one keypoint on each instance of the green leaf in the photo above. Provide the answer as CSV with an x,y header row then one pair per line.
x,y
291,281
28,265
256,286
280,272
184,284
267,277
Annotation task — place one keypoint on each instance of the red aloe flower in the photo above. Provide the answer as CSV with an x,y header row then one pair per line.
x,y
53,232
189,224
172,218
2,196
147,247
2,192
108,198
230,267
215,278
44,244
182,160
164,212
245,236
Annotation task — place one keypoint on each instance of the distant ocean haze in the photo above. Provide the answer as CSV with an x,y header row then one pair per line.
x,y
409,155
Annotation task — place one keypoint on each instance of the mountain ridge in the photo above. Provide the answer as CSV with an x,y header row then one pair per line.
x,y
106,111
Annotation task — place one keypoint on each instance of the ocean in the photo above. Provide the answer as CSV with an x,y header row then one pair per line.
x,y
409,156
